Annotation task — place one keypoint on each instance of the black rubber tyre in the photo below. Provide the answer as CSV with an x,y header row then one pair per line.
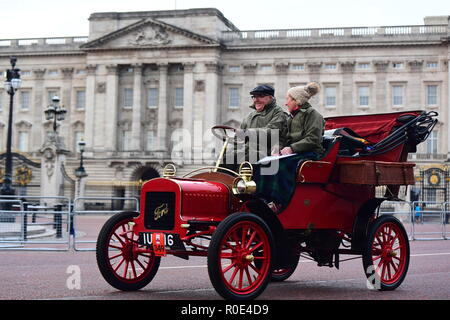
x,y
279,275
386,254
232,256
118,262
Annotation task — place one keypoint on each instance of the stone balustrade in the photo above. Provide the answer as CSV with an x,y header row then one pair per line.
x,y
42,41
328,34
335,33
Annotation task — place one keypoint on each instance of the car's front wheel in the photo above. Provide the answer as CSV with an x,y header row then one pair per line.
x,y
240,257
120,258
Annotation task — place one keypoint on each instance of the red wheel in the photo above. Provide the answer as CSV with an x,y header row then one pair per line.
x,y
240,257
386,256
120,258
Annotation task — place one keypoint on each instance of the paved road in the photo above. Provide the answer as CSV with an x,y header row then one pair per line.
x,y
47,275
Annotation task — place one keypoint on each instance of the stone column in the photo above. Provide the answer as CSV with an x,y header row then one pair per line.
x,y
188,102
281,86
382,100
38,110
188,91
314,70
211,114
415,84
249,84
136,128
347,86
66,94
162,108
112,87
89,128
446,106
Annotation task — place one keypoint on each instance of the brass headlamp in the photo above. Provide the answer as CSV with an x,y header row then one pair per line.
x,y
169,170
244,183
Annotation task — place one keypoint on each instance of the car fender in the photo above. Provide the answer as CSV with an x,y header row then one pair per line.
x,y
282,246
362,221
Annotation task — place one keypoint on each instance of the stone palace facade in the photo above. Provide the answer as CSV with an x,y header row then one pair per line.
x,y
141,82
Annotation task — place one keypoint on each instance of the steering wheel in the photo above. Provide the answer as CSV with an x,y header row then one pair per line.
x,y
226,132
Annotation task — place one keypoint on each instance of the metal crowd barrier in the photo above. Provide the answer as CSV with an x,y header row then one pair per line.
x,y
428,220
28,223
446,221
402,211
89,216
49,224
423,220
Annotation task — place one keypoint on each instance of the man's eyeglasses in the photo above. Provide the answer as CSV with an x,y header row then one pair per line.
x,y
256,96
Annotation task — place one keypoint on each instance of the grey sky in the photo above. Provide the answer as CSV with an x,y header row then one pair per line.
x,y
52,18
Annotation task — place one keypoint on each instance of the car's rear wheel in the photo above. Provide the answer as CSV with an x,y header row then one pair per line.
x,y
240,257
386,254
120,258
284,273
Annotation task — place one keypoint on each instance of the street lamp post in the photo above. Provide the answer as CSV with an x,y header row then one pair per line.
x,y
80,172
55,112
53,152
12,84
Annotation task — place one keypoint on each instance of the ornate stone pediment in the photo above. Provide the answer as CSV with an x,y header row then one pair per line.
x,y
148,33
155,36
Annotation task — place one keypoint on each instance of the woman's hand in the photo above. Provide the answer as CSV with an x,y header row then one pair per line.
x,y
286,150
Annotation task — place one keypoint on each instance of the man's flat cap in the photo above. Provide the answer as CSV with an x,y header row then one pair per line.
x,y
263,89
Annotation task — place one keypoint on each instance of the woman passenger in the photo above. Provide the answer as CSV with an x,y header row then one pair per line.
x,y
304,141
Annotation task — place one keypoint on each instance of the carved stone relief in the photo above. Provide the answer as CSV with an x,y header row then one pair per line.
x,y
199,85
101,87
150,37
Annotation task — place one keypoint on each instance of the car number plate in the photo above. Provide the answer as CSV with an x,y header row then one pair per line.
x,y
157,240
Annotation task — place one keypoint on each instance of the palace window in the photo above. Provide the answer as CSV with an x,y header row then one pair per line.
x,y
398,95
179,97
80,102
151,141
432,95
23,141
298,67
363,65
126,140
153,97
233,98
24,100
363,96
330,96
432,143
127,98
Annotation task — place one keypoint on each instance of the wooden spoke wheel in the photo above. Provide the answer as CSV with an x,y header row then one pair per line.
x,y
386,254
121,260
240,256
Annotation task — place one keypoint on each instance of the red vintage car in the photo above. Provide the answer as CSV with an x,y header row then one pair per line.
x,y
217,213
